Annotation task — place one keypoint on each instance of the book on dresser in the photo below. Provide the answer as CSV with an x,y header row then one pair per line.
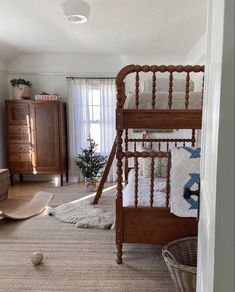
x,y
37,137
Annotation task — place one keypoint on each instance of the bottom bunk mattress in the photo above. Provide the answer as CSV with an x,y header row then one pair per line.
x,y
159,195
184,185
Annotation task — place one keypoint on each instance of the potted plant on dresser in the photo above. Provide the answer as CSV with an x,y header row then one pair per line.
x,y
91,164
21,88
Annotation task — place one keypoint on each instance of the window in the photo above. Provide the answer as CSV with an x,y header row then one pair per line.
x,y
95,114
92,104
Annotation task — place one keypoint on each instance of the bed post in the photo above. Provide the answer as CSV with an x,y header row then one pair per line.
x,y
119,213
119,157
168,179
126,159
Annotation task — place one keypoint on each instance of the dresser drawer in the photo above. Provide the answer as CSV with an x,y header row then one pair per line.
x,y
18,130
19,148
21,157
16,139
17,112
21,167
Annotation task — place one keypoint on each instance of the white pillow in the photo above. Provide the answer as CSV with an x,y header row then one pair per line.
x,y
163,85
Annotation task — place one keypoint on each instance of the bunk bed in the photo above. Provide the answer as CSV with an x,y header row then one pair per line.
x,y
150,220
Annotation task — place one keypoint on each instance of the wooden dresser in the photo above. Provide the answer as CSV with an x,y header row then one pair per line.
x,y
37,137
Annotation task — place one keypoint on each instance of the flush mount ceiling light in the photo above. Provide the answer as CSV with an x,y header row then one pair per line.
x,y
75,11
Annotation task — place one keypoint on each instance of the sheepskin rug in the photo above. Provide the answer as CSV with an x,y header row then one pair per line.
x,y
83,214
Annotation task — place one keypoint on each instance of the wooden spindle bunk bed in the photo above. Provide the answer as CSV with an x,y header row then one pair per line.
x,y
150,223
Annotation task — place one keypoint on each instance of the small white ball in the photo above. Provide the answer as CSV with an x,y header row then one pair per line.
x,y
37,258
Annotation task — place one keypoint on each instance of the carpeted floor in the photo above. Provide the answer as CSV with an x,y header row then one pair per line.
x,y
75,259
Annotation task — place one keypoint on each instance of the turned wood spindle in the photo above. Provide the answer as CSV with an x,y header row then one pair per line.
x,y
170,90
126,140
120,92
154,91
135,146
152,182
137,85
119,156
136,165
193,137
159,146
187,90
119,164
126,159
168,180
167,146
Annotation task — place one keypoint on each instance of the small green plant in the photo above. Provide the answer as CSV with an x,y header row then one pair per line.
x,y
17,82
90,162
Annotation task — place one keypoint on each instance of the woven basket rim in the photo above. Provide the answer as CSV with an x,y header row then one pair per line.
x,y
183,268
181,240
174,263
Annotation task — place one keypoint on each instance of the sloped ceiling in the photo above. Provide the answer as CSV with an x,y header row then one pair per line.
x,y
164,27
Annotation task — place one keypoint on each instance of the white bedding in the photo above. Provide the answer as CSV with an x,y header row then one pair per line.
x,y
178,100
144,192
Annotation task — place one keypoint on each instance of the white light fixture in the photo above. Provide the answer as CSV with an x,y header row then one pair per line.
x,y
75,11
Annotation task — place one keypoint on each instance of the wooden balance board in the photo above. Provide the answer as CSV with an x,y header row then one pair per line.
x,y
29,209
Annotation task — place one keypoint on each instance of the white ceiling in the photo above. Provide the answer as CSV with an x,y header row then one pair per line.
x,y
161,27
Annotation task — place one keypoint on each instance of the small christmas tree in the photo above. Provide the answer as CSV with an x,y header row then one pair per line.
x,y
90,162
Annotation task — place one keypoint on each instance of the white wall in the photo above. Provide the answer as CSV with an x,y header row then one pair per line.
x,y
197,54
76,63
224,224
216,224
3,96
48,72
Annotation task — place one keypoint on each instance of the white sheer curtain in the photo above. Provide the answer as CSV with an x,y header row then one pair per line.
x,y
82,112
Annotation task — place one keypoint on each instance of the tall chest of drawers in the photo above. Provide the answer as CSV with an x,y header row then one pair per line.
x,y
37,137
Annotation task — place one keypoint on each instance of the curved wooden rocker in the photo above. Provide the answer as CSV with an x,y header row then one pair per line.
x,y
30,209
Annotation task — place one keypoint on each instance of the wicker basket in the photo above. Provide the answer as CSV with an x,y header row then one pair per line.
x,y
4,183
181,259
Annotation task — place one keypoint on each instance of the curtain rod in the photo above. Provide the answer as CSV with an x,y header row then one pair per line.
x,y
95,78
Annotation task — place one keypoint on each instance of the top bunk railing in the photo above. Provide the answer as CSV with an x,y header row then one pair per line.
x,y
171,69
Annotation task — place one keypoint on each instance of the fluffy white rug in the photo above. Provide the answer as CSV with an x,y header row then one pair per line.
x,y
83,214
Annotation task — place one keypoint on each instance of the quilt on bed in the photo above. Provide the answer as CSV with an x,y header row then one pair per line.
x,y
159,199
185,167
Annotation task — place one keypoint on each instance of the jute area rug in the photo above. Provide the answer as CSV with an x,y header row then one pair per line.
x,y
75,259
